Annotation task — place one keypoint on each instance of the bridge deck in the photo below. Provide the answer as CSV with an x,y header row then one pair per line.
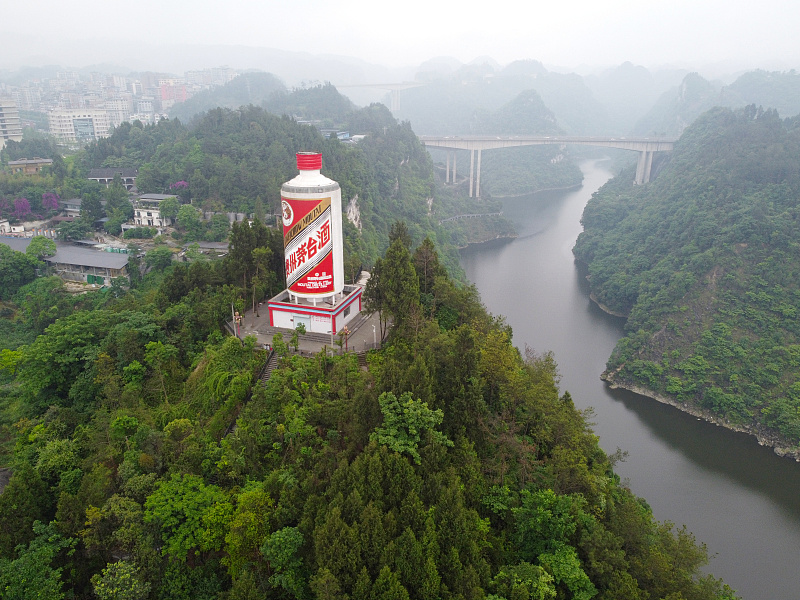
x,y
489,142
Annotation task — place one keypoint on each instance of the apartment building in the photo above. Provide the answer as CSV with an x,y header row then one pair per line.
x,y
79,125
10,126
147,212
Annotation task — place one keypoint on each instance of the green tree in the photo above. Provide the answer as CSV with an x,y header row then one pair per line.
x,y
120,581
41,247
158,258
76,230
326,587
159,357
426,265
16,269
188,219
524,581
388,587
191,515
117,198
282,550
396,286
404,422
169,208
218,228
91,206
249,528
24,500
31,574
399,231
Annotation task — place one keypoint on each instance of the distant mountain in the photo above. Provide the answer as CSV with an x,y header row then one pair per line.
x,y
778,90
679,107
575,107
462,101
318,103
628,91
525,114
437,68
249,88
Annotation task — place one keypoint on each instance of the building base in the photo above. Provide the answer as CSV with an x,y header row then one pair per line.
x,y
318,315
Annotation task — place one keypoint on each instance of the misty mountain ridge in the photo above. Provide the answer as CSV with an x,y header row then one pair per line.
x,y
677,108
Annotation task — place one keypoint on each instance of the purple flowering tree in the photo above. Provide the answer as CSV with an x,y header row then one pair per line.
x,y
179,185
22,208
50,201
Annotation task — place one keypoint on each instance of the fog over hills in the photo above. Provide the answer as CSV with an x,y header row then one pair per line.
x,y
459,95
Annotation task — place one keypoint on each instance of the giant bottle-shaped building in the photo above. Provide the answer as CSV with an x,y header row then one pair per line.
x,y
316,296
312,231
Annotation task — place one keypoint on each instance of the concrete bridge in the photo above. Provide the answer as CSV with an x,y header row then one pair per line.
x,y
646,147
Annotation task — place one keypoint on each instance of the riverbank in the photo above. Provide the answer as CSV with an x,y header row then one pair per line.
x,y
605,308
764,435
569,188
500,237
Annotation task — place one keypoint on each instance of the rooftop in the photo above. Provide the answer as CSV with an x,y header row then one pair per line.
x,y
73,255
156,197
30,161
108,173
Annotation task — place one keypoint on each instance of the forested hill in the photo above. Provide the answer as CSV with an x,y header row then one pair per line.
x,y
149,461
247,88
706,262
236,160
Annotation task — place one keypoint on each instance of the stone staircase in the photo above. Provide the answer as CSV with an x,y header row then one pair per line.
x,y
269,367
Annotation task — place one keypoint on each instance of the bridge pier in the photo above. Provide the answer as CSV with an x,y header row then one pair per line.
x,y
453,178
643,167
471,169
478,186
475,174
447,169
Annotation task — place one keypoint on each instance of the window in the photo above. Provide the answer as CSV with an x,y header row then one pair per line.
x,y
347,311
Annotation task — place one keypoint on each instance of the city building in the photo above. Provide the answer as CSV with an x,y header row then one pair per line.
x,y
79,125
29,166
10,126
146,211
71,208
119,109
106,176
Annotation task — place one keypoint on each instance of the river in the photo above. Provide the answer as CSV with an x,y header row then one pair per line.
x,y
739,498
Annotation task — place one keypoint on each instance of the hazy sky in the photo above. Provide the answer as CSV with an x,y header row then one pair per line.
x,y
561,32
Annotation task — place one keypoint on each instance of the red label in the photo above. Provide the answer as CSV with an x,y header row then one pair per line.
x,y
318,280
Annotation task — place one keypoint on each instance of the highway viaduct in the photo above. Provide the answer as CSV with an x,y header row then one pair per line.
x,y
646,147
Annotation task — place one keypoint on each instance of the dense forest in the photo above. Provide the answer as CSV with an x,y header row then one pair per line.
x,y
150,462
704,261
